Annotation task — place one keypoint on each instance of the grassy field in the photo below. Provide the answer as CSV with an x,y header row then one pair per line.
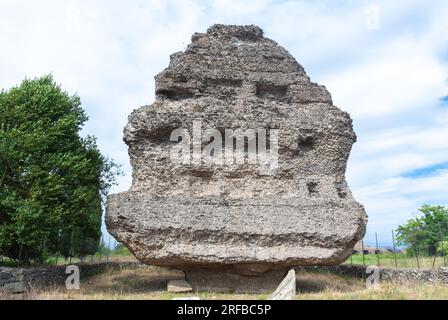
x,y
149,284
403,261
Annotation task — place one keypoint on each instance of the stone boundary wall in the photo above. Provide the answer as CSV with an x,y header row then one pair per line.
x,y
15,280
11,280
359,272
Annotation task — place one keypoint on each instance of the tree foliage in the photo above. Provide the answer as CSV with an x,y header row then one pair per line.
x,y
52,181
443,247
425,234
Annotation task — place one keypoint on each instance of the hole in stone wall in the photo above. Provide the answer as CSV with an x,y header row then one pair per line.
x,y
180,79
312,188
175,93
201,174
342,193
306,144
271,90
159,136
224,82
247,36
274,57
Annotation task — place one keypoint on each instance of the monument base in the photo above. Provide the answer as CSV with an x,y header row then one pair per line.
x,y
232,280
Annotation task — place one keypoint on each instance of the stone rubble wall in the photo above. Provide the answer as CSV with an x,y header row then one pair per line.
x,y
386,274
11,280
16,280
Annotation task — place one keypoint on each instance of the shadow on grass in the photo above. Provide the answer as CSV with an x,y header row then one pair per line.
x,y
153,279
142,280
311,282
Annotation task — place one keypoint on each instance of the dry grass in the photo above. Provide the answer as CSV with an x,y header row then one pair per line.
x,y
403,261
149,284
386,291
326,286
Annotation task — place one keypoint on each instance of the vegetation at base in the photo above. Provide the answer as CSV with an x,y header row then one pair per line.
x,y
442,248
425,235
52,180
403,261
424,240
120,250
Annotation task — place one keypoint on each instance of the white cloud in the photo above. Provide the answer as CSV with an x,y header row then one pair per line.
x,y
395,200
395,152
239,7
391,83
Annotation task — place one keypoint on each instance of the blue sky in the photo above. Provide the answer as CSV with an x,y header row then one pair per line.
x,y
389,73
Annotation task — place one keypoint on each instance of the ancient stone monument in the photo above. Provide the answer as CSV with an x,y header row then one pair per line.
x,y
258,184
287,288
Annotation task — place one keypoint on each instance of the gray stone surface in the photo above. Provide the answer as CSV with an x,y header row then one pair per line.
x,y
287,288
12,280
230,279
55,276
438,275
202,215
179,286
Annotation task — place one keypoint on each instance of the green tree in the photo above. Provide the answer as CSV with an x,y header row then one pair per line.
x,y
443,247
424,234
52,181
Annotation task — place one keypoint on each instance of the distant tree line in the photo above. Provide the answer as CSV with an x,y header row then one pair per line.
x,y
427,234
52,180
